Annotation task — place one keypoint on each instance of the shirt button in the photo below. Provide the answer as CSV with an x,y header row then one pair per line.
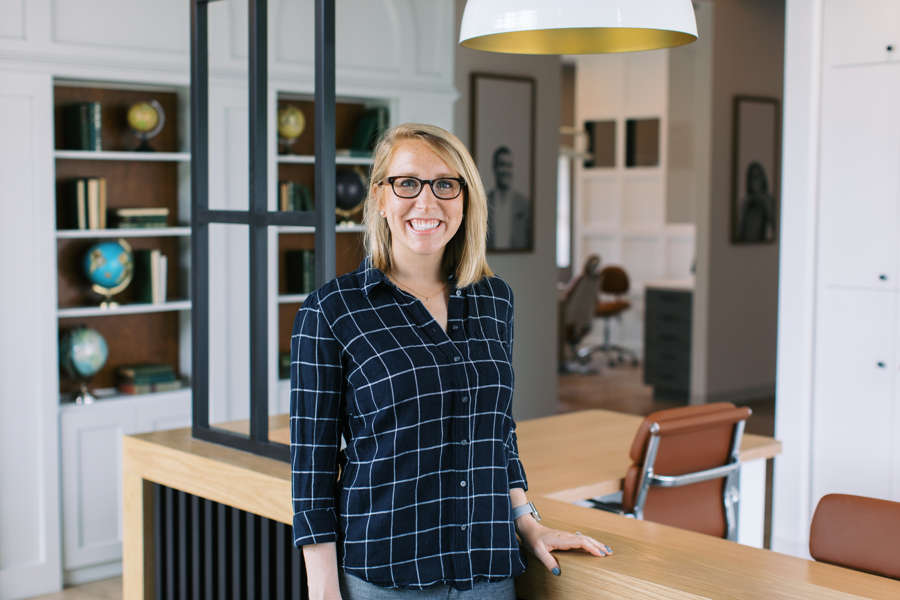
x,y
454,327
465,442
462,484
463,527
456,359
459,292
465,399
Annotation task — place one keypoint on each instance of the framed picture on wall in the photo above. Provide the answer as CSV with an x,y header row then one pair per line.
x,y
756,170
502,139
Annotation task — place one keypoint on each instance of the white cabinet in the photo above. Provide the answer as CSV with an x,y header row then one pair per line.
x,y
855,427
855,420
29,488
860,176
861,31
91,449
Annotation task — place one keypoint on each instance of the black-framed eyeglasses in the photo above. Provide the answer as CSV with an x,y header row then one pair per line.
x,y
406,186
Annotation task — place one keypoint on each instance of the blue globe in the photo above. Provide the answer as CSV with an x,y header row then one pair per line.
x,y
82,352
109,263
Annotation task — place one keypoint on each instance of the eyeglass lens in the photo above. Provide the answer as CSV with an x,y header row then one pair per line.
x,y
410,187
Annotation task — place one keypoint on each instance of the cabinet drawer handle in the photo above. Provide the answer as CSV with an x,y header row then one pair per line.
x,y
882,277
890,47
880,364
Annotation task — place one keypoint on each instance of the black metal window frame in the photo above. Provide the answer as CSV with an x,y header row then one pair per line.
x,y
258,218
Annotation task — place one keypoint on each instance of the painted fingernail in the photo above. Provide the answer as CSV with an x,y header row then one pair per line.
x,y
556,571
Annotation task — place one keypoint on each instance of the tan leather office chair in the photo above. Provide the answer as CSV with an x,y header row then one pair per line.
x,y
685,469
857,532
613,282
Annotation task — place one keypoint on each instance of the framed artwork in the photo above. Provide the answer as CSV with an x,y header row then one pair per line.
x,y
502,139
756,170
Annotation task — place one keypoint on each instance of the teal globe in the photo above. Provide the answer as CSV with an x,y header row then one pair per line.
x,y
109,264
82,352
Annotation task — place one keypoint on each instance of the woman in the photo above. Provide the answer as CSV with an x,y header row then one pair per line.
x,y
409,359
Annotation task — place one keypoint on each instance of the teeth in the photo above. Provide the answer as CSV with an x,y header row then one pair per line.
x,y
423,224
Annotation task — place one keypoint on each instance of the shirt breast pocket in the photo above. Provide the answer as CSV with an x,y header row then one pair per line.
x,y
371,386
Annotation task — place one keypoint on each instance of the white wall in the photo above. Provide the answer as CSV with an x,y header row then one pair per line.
x,y
741,298
532,275
620,213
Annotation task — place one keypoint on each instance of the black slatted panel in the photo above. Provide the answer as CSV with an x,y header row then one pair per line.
x,y
197,534
183,545
206,550
169,530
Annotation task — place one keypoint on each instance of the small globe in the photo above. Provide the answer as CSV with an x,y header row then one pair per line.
x,y
143,117
109,264
350,189
82,352
291,122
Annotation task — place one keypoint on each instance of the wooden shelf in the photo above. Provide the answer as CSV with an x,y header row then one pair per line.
x,y
78,234
291,298
123,155
106,395
309,159
125,309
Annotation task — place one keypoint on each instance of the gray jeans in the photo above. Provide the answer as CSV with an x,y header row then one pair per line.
x,y
354,588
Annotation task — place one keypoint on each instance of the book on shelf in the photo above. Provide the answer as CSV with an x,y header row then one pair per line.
x,y
369,127
300,271
82,204
146,378
294,196
150,272
140,217
81,126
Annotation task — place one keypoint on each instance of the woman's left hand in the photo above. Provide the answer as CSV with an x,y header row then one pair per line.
x,y
541,540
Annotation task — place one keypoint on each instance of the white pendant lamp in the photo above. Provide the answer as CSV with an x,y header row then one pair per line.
x,y
576,26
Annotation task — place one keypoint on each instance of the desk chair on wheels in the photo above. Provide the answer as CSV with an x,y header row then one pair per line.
x,y
685,470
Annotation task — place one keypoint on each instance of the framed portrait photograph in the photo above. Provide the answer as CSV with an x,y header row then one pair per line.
x,y
502,143
756,170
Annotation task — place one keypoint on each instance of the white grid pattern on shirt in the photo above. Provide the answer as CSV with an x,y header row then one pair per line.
x,y
369,361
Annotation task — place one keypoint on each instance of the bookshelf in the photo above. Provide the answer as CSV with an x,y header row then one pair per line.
x,y
297,165
134,331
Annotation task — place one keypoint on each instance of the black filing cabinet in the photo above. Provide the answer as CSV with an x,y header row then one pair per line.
x,y
667,343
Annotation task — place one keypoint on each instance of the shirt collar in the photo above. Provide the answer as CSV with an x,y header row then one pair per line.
x,y
371,277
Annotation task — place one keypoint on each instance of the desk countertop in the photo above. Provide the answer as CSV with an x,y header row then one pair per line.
x,y
563,455
678,285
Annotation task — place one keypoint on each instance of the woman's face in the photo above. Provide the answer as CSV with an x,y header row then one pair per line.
x,y
422,225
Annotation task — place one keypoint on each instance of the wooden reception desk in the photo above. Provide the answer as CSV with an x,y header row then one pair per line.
x,y
567,457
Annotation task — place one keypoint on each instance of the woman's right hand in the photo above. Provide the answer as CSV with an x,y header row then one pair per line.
x,y
321,571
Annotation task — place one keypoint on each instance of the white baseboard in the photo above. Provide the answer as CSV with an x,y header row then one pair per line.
x,y
92,573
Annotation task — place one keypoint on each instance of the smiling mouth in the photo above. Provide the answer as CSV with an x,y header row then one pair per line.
x,y
424,225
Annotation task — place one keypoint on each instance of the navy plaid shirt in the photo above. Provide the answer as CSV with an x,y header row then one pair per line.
x,y
423,493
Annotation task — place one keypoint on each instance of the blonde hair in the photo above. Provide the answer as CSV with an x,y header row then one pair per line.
x,y
464,254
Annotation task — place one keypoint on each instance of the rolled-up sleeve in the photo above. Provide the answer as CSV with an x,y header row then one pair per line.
x,y
316,391
514,468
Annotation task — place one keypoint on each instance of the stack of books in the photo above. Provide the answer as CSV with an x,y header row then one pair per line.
x,y
140,217
81,126
300,271
150,267
82,203
294,196
146,378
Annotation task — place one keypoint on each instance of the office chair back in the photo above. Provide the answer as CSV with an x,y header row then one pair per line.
x,y
685,468
579,301
857,532
614,280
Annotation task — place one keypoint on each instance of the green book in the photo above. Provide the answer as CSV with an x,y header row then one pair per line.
x,y
82,126
72,205
142,278
308,271
371,124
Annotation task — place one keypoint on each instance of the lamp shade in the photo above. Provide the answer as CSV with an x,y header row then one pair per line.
x,y
576,26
